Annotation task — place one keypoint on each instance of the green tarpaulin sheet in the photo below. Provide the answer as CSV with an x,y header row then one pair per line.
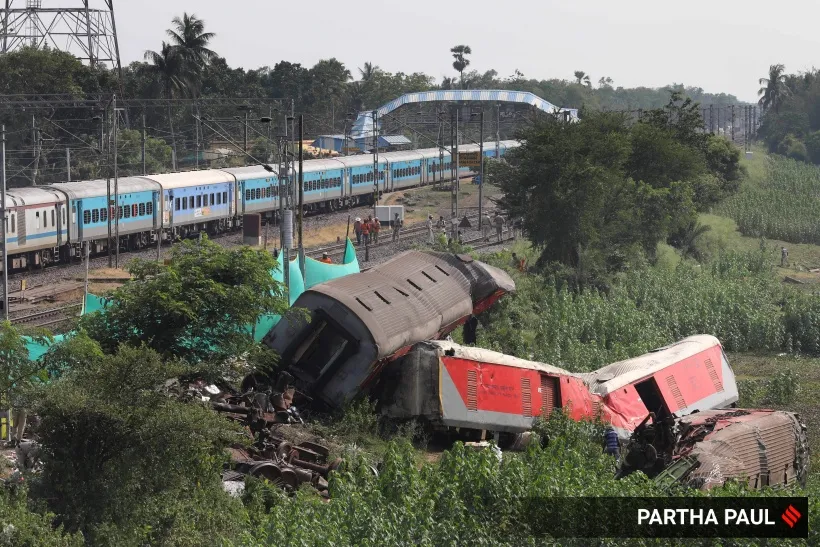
x,y
316,272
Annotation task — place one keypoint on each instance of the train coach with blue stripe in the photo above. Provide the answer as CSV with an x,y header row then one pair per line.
x,y
50,224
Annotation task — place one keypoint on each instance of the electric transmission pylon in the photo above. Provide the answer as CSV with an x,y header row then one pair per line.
x,y
85,28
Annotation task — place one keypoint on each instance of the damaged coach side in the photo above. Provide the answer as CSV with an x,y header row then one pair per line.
x,y
458,387
362,321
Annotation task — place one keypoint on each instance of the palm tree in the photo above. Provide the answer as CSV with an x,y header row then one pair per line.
x,y
189,34
579,76
368,71
170,68
461,61
774,89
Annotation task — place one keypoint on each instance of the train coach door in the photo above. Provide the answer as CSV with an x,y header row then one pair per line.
x,y
58,209
550,395
79,219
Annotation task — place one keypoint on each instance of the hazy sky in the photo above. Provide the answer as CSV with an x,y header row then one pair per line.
x,y
719,45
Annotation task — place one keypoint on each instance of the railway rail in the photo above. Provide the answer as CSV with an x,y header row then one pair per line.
x,y
47,317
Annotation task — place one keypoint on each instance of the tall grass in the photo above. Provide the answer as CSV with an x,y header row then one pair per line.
x,y
783,204
734,298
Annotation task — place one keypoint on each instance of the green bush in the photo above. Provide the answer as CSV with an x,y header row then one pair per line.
x,y
21,527
793,147
124,462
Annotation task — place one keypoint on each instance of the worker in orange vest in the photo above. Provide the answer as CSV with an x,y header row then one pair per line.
x,y
326,259
366,230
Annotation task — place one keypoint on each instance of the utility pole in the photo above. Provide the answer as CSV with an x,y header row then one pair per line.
x,y
35,136
3,228
497,131
68,164
246,132
375,163
144,170
116,187
112,208
456,180
481,171
301,194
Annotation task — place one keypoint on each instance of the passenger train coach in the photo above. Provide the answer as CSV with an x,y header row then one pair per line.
x,y
50,224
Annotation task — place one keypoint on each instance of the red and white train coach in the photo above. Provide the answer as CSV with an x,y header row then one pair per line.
x,y
453,386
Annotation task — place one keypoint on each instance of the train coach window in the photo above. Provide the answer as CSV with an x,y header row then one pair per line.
x,y
199,200
127,211
142,209
103,214
212,199
119,211
176,204
86,217
149,208
134,210
53,214
205,200
224,197
95,215
247,195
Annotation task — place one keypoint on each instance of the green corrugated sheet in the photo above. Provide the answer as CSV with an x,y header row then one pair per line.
x,y
315,273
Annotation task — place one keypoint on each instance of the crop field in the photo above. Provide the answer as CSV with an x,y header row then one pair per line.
x,y
735,297
780,201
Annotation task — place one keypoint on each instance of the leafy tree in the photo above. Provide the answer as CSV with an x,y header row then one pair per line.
x,y
197,307
582,77
774,89
126,463
461,61
17,371
605,82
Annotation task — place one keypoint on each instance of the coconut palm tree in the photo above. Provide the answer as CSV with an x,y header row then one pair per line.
x,y
368,71
190,36
461,61
170,68
774,89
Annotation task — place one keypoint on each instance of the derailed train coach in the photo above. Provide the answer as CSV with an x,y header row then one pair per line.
x,y
452,386
762,448
360,322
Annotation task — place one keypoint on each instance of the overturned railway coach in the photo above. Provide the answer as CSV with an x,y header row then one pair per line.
x,y
362,321
453,386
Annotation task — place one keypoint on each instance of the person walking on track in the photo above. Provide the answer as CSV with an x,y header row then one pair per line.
x,y
397,224
376,227
366,231
430,229
357,229
499,226
486,226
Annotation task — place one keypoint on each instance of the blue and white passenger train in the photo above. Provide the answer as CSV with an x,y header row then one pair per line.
x,y
50,224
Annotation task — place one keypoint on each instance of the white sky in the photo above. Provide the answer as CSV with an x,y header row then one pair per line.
x,y
719,45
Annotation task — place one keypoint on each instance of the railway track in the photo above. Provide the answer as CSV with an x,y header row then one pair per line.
x,y
386,239
47,317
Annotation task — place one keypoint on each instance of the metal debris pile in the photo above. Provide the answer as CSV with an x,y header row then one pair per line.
x,y
261,409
